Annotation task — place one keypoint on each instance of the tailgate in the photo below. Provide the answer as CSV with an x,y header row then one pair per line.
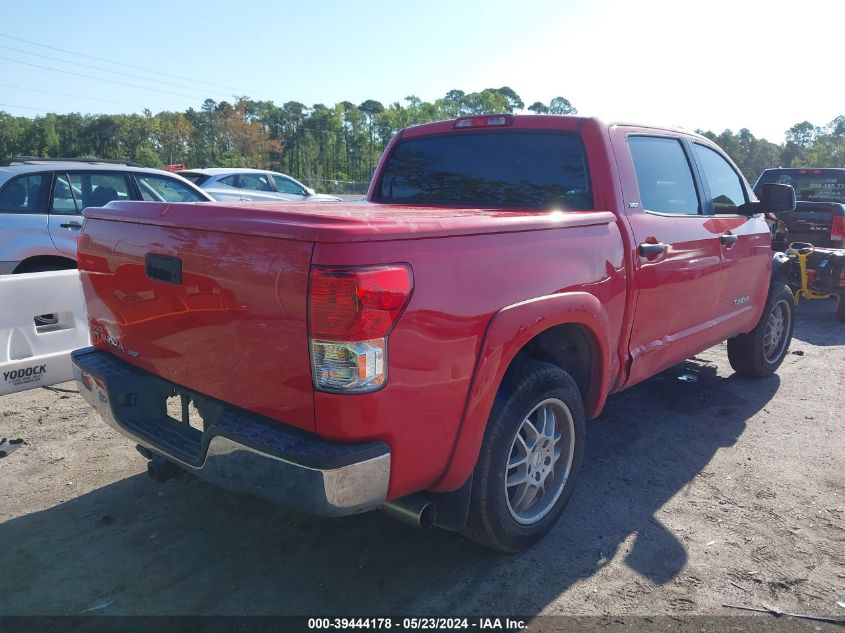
x,y
223,314
811,222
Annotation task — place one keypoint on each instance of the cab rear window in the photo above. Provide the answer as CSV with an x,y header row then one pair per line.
x,y
489,169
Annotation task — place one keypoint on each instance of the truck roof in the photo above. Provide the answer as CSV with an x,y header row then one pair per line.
x,y
567,123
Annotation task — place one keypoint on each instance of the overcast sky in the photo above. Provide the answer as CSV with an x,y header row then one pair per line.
x,y
710,65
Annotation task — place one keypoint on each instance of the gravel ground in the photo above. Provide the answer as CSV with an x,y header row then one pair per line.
x,y
694,494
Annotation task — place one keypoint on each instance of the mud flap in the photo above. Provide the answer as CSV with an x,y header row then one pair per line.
x,y
452,507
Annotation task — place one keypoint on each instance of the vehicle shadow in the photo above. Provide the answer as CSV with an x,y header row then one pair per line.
x,y
184,547
816,323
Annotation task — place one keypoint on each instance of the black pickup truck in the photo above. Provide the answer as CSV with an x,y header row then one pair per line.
x,y
819,217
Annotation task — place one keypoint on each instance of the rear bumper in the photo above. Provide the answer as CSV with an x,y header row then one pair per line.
x,y
237,450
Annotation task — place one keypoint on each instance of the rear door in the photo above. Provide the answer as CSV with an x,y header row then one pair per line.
x,y
745,243
73,192
23,221
678,255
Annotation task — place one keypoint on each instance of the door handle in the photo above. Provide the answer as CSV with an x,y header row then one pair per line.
x,y
648,250
728,239
71,225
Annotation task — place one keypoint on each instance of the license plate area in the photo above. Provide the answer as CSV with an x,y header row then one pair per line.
x,y
181,409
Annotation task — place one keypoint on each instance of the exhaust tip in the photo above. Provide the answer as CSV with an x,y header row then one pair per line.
x,y
414,511
428,514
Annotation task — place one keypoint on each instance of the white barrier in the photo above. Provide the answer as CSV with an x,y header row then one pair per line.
x,y
37,355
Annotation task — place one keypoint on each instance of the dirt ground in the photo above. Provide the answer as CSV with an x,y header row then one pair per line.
x,y
695,493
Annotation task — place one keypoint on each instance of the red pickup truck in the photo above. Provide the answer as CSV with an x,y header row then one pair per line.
x,y
437,349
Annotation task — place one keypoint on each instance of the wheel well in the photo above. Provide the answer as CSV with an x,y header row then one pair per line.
x,y
41,263
567,346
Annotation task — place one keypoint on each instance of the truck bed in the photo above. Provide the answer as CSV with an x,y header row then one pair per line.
x,y
341,222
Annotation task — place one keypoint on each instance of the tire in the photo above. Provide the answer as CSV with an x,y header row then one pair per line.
x,y
508,518
840,308
758,354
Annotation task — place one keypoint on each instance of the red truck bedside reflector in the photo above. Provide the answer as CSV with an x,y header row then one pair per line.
x,y
351,312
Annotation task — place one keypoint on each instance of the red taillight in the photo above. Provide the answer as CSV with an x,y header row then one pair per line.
x,y
837,228
351,312
356,304
484,121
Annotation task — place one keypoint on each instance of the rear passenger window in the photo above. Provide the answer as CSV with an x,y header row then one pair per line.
x,y
283,185
91,189
726,191
664,177
24,194
255,182
164,189
64,200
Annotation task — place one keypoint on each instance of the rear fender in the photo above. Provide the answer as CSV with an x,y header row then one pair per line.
x,y
509,331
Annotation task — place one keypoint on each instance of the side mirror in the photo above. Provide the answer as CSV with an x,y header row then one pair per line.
x,y
309,191
776,198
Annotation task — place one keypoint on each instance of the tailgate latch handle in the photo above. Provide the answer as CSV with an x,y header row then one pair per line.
x,y
164,268
650,249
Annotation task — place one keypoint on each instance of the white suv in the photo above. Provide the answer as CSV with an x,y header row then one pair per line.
x,y
41,203
257,185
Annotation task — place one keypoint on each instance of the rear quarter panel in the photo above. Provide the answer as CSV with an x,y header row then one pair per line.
x,y
460,283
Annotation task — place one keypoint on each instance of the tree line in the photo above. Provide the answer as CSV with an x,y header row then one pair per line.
x,y
330,146
324,145
805,145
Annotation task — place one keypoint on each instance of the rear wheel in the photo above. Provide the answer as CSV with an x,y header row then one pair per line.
x,y
760,352
531,454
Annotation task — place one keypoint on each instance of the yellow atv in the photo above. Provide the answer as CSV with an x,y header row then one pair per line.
x,y
820,274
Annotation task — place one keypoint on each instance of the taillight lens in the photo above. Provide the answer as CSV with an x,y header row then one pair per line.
x,y
837,228
351,313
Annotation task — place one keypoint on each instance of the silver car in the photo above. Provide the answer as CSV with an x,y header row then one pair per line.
x,y
252,184
41,203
